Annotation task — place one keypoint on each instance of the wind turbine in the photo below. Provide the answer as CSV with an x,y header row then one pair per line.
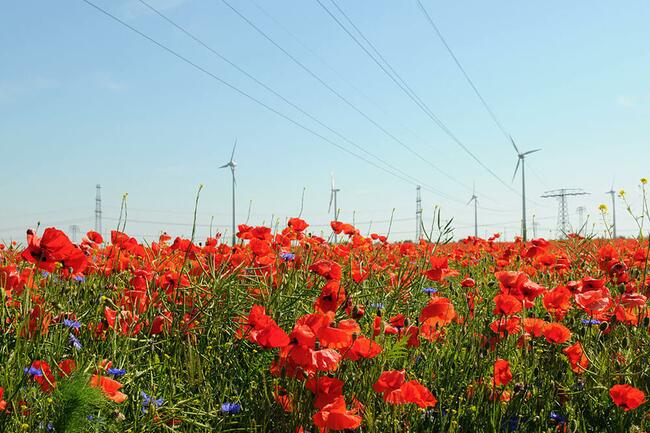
x,y
521,159
232,164
333,195
613,194
475,200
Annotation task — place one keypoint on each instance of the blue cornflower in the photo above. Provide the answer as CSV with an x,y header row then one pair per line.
x,y
287,256
116,371
377,305
230,407
513,423
590,322
71,323
80,278
33,371
148,402
45,274
75,341
429,290
555,416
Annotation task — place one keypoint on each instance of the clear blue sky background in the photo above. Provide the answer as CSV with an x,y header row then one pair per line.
x,y
85,101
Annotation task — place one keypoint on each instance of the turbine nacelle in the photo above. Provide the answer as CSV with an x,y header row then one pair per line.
x,y
232,164
520,156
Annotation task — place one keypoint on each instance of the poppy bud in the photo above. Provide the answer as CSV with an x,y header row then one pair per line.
x,y
603,326
646,322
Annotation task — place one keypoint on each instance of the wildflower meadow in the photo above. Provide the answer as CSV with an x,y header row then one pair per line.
x,y
288,332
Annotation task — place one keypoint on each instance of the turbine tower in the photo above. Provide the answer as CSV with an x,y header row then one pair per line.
x,y
613,194
418,215
333,196
232,164
563,223
98,209
521,159
475,200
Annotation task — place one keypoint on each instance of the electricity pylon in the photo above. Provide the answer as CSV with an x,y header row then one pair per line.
x,y
563,222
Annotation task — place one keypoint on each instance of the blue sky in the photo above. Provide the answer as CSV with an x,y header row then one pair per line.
x,y
83,101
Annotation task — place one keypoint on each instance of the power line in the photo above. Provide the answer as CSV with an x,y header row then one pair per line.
x,y
241,92
462,69
355,88
328,87
407,89
166,223
292,104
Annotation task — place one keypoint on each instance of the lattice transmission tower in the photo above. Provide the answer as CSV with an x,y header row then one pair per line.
x,y
563,221
98,209
418,214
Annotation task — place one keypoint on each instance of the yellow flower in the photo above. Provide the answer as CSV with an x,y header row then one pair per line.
x,y
603,208
621,193
644,180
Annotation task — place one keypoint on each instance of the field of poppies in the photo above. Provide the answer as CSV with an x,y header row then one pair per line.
x,y
287,332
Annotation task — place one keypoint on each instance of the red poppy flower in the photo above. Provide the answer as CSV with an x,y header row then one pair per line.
x,y
363,348
335,416
389,383
109,386
414,392
506,305
439,311
327,269
577,357
3,404
534,326
594,301
396,391
46,379
627,397
95,237
556,333
325,389
502,373
557,301
468,282
297,224
67,366
262,329
440,269
54,247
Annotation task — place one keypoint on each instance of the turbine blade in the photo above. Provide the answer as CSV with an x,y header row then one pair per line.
x,y
232,155
513,144
473,188
329,208
470,200
225,165
332,180
531,151
516,168
232,170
